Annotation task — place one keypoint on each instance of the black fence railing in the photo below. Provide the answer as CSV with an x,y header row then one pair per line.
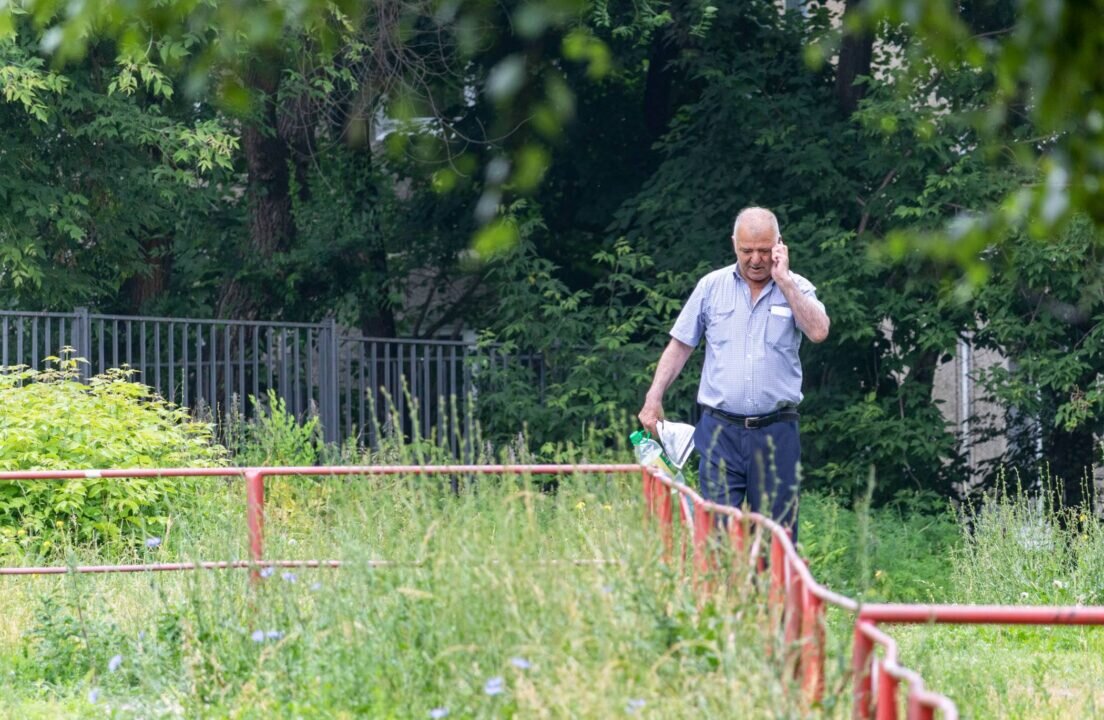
x,y
357,386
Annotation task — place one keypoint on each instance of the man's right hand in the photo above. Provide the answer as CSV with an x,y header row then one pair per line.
x,y
650,414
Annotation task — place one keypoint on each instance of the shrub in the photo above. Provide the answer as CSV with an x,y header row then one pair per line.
x,y
274,436
49,420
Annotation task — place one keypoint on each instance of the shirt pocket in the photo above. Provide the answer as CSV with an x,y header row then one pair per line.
x,y
719,327
781,330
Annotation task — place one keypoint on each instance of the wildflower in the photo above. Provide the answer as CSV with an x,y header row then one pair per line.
x,y
94,695
438,713
495,686
581,505
607,506
607,589
153,542
520,663
315,586
114,663
634,704
289,577
258,636
1059,584
267,572
273,635
1023,596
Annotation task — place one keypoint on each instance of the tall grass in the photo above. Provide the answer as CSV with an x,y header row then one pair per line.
x,y
484,614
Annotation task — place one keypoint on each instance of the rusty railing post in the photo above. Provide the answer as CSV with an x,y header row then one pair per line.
x,y
703,523
795,590
254,518
666,520
886,708
812,648
861,651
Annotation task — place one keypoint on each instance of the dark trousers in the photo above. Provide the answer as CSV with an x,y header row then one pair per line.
x,y
756,467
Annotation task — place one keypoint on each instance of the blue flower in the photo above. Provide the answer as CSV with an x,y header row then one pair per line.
x,y
634,704
316,586
94,695
152,542
520,663
114,663
273,635
267,572
495,686
438,713
258,636
289,577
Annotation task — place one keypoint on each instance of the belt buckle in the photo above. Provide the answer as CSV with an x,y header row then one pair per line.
x,y
751,423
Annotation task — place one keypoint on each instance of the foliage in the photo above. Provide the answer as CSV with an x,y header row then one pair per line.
x,y
274,436
51,421
1043,103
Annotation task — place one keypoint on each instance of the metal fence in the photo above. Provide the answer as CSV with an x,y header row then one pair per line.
x,y
358,387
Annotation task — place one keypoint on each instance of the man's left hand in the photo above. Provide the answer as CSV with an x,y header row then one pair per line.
x,y
780,263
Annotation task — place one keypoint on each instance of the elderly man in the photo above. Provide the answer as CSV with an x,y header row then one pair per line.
x,y
750,314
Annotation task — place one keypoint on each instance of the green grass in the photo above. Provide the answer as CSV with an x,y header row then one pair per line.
x,y
486,584
484,576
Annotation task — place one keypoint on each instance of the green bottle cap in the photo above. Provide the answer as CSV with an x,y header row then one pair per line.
x,y
639,436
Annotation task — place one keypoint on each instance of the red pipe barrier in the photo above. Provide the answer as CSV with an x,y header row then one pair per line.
x,y
791,583
254,518
887,694
862,650
812,647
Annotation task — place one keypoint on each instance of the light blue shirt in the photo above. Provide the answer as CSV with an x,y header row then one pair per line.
x,y
751,362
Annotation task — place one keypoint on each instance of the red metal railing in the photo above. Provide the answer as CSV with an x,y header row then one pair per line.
x,y
875,682
797,598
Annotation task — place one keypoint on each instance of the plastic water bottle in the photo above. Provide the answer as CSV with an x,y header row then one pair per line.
x,y
650,453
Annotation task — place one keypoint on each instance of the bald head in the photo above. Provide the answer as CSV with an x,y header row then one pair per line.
x,y
753,238
755,223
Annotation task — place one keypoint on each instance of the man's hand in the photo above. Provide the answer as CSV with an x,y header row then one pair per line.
x,y
650,414
780,262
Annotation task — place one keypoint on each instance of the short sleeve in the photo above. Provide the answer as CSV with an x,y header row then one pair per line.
x,y
690,324
807,289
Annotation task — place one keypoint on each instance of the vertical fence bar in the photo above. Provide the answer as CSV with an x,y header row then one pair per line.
x,y
348,376
886,708
129,345
114,343
19,342
47,350
242,400
101,345
143,375
172,362
82,340
199,366
330,401
157,357
184,367
861,681
298,391
257,362
400,385
812,648
227,374
703,524
34,343
5,362
776,595
362,399
212,370
254,518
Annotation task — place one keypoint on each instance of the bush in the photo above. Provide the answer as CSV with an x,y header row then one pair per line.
x,y
51,421
276,437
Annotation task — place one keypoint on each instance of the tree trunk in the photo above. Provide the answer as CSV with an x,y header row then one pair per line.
x,y
271,225
855,56
659,83
146,287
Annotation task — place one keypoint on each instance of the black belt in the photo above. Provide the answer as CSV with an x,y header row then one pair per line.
x,y
752,422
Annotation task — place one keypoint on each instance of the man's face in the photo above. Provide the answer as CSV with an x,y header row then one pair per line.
x,y
753,254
